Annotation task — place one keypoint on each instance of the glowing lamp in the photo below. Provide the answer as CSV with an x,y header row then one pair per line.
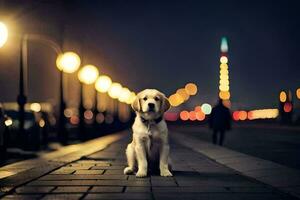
x,y
103,83
3,34
88,74
124,95
183,94
115,90
68,62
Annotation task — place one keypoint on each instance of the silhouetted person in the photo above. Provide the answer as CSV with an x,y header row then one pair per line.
x,y
220,121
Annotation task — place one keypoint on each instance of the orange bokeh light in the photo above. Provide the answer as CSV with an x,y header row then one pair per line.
x,y
235,115
243,115
184,115
200,116
193,116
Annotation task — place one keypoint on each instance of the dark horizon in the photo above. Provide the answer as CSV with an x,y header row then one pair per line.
x,y
144,44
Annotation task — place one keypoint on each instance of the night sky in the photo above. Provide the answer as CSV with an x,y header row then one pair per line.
x,y
161,44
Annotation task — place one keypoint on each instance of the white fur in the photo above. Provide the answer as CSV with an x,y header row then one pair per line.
x,y
150,142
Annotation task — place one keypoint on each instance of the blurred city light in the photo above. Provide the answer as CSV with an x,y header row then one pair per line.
x,y
131,98
224,45
288,107
200,116
42,123
298,93
8,122
88,114
184,115
175,100
3,34
171,116
35,107
263,114
191,88
224,60
224,95
103,83
124,95
282,96
255,114
184,95
88,74
243,115
193,115
115,90
68,62
206,108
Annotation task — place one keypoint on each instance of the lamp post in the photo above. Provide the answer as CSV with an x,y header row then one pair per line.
x,y
67,62
86,75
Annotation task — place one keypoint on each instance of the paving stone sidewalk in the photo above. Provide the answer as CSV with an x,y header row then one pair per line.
x,y
100,176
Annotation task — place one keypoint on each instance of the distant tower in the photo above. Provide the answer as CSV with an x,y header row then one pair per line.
x,y
224,92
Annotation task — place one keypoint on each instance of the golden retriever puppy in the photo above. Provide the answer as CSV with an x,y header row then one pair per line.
x,y
150,134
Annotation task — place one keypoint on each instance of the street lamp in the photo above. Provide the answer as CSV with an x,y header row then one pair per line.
x,y
86,75
67,62
3,34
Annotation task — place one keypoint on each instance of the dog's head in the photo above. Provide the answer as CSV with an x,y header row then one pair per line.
x,y
151,103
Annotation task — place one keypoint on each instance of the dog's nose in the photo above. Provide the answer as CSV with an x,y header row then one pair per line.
x,y
151,106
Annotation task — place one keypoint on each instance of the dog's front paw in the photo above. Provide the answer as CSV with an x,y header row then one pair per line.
x,y
128,170
141,173
165,173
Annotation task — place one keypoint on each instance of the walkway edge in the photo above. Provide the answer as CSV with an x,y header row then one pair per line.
x,y
278,176
21,172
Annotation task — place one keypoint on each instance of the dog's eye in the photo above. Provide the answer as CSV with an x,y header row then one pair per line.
x,y
156,99
145,98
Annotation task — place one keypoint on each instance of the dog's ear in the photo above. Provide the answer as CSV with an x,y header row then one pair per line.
x,y
136,104
165,104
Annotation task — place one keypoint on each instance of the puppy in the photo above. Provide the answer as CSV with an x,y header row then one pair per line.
x,y
150,134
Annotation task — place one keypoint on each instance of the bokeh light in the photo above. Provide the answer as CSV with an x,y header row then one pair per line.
x,y
124,95
115,90
200,116
175,100
103,83
225,95
88,74
192,115
68,62
224,60
3,34
282,96
184,115
183,94
243,115
35,107
287,107
191,88
206,108
298,93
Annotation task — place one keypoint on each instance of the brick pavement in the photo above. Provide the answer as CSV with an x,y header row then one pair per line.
x,y
100,176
